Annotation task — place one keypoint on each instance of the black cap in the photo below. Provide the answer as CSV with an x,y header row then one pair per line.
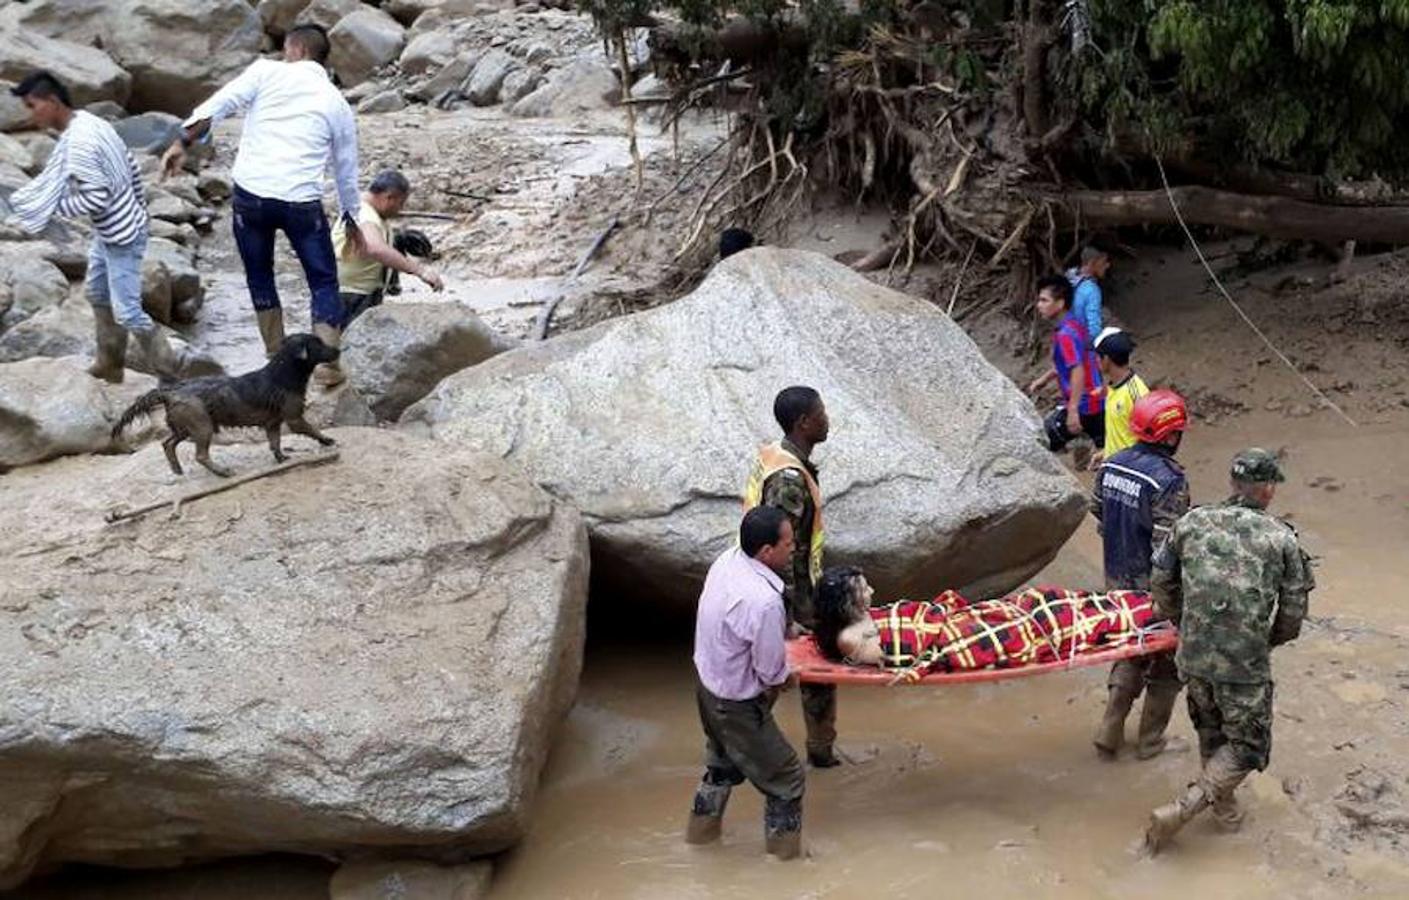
x,y
1114,343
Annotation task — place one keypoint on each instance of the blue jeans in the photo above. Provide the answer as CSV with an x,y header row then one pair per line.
x,y
115,279
256,220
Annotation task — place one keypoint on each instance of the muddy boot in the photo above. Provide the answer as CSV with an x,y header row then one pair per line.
x,y
112,346
1110,734
1154,719
329,375
1166,821
271,329
707,813
1223,772
782,828
161,359
1227,812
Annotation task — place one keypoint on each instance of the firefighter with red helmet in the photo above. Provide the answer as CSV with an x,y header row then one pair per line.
x,y
1138,495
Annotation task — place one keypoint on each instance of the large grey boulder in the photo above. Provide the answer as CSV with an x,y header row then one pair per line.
x,y
934,474
53,407
181,51
395,354
364,656
14,153
88,73
363,41
582,86
80,21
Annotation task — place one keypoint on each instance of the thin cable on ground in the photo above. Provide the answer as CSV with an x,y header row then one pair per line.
x,y
1169,192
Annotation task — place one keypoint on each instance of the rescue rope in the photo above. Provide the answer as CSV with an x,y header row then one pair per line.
x,y
1169,192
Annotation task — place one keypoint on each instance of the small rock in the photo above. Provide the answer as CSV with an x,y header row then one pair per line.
x,y
410,879
53,407
328,13
583,85
278,16
449,78
215,186
519,84
13,153
427,51
39,145
150,132
386,101
362,42
488,77
162,204
14,115
108,110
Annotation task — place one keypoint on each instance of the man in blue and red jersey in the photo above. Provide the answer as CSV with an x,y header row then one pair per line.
x,y
1074,368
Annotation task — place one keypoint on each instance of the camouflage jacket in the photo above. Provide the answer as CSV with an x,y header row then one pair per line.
x,y
787,490
1235,581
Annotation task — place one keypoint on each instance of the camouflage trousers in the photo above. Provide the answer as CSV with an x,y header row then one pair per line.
x,y
1237,715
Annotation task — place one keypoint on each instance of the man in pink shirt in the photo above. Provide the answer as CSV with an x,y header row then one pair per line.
x,y
742,662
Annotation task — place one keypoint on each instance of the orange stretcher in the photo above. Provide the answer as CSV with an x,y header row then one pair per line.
x,y
812,667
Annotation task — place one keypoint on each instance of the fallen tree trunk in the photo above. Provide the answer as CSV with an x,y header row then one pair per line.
x,y
1277,217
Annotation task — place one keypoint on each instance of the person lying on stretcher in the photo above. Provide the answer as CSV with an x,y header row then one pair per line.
x,y
950,633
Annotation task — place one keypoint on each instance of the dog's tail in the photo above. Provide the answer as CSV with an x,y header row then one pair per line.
x,y
142,406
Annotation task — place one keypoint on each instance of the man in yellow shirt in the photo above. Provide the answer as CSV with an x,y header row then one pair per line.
x,y
1123,387
362,277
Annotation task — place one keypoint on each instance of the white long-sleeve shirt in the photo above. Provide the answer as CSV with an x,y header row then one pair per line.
x,y
297,126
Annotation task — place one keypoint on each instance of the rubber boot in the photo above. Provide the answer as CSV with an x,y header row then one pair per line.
x,y
161,359
1110,735
111,340
1166,821
819,716
1155,713
707,814
271,329
782,828
329,375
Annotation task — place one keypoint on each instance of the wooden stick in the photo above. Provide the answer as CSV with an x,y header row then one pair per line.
x,y
424,214
545,315
316,460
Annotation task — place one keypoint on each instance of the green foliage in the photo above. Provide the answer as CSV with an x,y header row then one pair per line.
x,y
1314,85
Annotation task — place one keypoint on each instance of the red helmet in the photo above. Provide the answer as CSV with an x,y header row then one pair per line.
x,y
1157,415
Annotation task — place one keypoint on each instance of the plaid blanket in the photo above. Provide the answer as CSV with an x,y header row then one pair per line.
x,y
1038,625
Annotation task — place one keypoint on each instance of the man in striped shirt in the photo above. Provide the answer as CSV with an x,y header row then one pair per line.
x,y
91,173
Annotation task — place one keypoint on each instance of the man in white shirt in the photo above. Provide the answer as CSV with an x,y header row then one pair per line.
x,y
296,124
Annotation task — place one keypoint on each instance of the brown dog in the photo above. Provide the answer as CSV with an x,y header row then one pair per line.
x,y
265,398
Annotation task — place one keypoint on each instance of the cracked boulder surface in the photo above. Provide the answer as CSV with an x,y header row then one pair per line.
x,y
365,656
934,474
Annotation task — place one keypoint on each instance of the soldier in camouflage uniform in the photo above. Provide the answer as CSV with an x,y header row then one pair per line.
x,y
1235,580
785,476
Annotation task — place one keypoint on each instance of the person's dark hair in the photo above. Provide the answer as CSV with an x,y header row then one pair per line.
x,y
44,85
1058,286
762,525
733,240
792,403
312,38
390,181
831,607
